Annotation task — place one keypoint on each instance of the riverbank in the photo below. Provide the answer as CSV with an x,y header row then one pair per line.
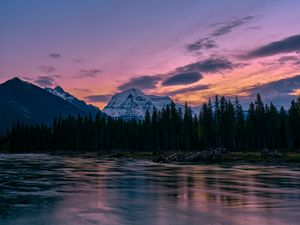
x,y
205,157
187,157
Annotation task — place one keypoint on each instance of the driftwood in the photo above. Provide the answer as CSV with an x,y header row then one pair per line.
x,y
270,154
203,156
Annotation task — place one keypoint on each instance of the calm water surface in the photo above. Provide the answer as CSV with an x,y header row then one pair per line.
x,y
54,190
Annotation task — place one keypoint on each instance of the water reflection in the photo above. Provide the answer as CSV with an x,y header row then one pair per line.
x,y
46,189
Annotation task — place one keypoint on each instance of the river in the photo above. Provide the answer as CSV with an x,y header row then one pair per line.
x,y
43,189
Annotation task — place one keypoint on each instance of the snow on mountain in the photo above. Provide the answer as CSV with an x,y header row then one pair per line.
x,y
133,103
58,91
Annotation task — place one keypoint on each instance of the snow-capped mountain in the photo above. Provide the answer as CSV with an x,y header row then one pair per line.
x,y
60,92
133,103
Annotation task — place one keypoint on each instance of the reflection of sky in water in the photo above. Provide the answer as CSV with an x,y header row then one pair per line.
x,y
43,189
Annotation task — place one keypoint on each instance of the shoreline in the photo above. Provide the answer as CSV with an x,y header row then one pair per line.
x,y
238,157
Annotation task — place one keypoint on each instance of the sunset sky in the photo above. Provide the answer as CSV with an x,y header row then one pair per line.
x,y
187,49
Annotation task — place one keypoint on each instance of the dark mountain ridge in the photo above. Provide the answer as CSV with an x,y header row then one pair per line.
x,y
21,101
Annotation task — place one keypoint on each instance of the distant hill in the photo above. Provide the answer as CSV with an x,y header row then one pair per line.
x,y
24,102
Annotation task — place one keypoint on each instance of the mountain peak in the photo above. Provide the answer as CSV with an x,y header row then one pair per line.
x,y
59,89
134,91
16,81
133,103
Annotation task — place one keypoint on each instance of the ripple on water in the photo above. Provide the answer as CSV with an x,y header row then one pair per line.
x,y
47,189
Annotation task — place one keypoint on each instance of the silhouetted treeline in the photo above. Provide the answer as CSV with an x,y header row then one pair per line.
x,y
221,123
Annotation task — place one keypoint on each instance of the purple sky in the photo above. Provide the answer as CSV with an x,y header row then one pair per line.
x,y
188,49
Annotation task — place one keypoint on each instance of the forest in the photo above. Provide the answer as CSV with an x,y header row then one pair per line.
x,y
220,123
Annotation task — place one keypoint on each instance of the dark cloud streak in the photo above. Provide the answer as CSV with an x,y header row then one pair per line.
x,y
182,79
200,87
55,55
210,65
83,73
227,28
145,82
290,44
44,81
289,59
202,44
